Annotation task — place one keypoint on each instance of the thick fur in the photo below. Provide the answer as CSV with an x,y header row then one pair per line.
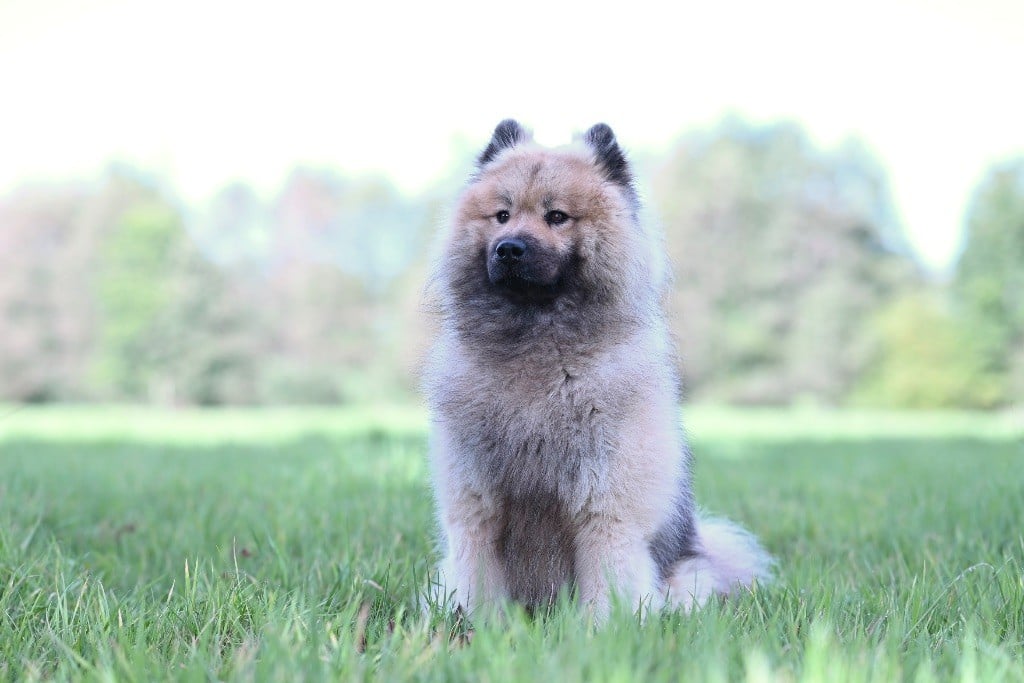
x,y
558,459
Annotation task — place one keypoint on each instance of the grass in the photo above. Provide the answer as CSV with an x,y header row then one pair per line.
x,y
292,544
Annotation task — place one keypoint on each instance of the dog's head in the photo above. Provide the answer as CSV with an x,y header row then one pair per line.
x,y
533,222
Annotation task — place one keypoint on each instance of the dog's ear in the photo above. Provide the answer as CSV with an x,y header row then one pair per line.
x,y
608,154
507,134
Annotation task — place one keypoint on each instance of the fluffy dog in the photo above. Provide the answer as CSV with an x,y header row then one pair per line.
x,y
558,458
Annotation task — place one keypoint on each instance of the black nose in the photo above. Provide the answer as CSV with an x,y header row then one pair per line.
x,y
510,249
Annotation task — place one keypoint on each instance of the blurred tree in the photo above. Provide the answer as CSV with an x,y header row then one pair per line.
x,y
324,336
234,228
782,253
338,249
45,305
928,359
989,278
173,328
363,227
217,322
134,292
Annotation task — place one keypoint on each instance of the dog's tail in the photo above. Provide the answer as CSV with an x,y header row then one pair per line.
x,y
728,559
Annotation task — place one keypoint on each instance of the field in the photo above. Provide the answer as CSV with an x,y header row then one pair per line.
x,y
289,545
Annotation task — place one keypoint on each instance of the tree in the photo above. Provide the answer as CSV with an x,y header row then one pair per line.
x,y
134,288
363,227
45,305
783,252
338,249
928,359
173,327
217,322
989,277
234,228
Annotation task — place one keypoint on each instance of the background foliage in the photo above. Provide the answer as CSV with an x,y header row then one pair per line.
x,y
793,284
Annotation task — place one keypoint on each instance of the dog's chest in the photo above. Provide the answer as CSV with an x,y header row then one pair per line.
x,y
539,435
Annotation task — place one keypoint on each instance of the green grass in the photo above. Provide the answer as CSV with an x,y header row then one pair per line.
x,y
288,545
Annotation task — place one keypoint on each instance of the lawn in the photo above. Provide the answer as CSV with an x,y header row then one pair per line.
x,y
291,544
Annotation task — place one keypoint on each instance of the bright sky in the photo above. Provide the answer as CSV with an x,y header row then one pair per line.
x,y
208,91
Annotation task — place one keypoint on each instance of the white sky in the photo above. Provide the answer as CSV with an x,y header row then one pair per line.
x,y
212,91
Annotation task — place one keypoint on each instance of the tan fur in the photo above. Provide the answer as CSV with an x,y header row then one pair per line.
x,y
557,456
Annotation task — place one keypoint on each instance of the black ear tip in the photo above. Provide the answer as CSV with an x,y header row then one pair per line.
x,y
601,135
507,126
507,134
608,154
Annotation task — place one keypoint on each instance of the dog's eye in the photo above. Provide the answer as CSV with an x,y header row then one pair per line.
x,y
556,217
502,216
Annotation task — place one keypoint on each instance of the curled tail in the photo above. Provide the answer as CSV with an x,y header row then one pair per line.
x,y
728,559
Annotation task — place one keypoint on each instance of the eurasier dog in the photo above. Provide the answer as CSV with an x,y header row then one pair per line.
x,y
557,453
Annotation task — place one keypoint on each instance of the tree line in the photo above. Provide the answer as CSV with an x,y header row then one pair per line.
x,y
793,283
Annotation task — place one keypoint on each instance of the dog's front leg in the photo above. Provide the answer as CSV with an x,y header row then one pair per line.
x,y
471,574
613,559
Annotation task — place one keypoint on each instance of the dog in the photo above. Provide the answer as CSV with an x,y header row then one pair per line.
x,y
558,460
